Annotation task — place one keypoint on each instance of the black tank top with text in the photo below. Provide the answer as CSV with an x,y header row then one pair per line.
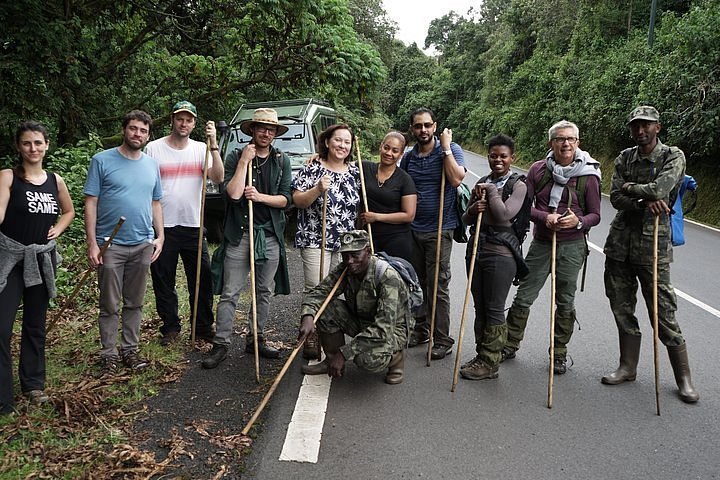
x,y
31,211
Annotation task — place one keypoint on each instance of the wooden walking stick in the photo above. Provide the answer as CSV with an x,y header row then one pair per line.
x,y
290,359
656,333
253,297
323,236
84,276
471,272
553,280
364,193
437,266
198,263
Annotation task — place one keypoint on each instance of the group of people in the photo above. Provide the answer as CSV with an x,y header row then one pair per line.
x,y
152,187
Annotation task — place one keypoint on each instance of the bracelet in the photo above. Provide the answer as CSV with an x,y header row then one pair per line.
x,y
215,149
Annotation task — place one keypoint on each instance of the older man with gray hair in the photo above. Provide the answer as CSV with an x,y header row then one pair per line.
x,y
565,190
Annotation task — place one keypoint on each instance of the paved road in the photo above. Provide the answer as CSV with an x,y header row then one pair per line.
x,y
502,428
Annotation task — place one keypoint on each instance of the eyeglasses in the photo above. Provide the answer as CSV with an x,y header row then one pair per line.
x,y
427,125
268,130
564,139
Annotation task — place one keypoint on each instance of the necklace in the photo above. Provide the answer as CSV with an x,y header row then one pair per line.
x,y
258,164
382,182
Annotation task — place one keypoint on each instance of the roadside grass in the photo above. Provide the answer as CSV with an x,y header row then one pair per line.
x,y
84,431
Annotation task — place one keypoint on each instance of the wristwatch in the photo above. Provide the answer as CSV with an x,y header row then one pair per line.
x,y
447,152
579,225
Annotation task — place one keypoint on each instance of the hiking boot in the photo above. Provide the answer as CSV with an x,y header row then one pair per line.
x,y
134,361
217,355
37,397
438,352
169,338
396,368
311,348
205,335
315,368
109,365
559,366
265,350
418,338
508,353
476,369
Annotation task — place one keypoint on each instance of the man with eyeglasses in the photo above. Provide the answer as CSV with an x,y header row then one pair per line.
x,y
427,162
565,189
643,183
270,192
182,161
123,182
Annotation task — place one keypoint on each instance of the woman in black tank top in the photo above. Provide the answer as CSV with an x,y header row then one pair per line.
x,y
30,201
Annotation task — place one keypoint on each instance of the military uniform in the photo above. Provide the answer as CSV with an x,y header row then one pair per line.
x,y
629,245
376,314
629,249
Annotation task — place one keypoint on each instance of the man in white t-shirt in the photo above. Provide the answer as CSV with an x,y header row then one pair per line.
x,y
181,162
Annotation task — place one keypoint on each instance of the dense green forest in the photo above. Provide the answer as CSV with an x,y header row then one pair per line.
x,y
513,66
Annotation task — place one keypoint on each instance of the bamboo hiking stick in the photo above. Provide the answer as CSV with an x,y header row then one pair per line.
x,y
290,359
198,263
364,193
553,280
84,276
471,272
656,334
323,235
253,297
437,267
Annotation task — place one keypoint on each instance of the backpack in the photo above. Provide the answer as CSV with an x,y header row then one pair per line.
x,y
462,199
520,223
406,272
687,183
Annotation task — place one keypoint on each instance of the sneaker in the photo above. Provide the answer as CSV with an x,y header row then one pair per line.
x,y
476,369
109,365
439,352
559,366
507,353
217,355
37,397
418,338
169,338
134,362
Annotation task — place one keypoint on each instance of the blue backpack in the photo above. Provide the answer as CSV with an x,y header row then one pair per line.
x,y
689,185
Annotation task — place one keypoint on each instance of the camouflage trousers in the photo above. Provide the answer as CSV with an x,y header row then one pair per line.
x,y
372,345
621,283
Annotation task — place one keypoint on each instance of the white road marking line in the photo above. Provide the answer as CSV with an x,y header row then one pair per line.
x,y
679,293
302,441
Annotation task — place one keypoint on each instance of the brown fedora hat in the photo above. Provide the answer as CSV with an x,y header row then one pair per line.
x,y
268,116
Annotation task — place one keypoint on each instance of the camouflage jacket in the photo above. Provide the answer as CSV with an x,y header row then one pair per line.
x,y
381,309
652,177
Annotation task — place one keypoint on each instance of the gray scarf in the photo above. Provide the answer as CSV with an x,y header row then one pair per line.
x,y
583,164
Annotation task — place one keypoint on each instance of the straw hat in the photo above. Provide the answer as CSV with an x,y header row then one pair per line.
x,y
267,116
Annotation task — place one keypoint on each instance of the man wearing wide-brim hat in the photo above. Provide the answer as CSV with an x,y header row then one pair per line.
x,y
263,116
269,190
644,180
375,313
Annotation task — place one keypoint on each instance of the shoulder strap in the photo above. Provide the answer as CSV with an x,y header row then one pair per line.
x,y
547,176
380,267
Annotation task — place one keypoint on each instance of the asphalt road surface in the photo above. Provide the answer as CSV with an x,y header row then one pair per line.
x,y
503,428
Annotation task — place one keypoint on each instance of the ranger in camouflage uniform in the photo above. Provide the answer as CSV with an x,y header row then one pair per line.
x,y
642,181
374,312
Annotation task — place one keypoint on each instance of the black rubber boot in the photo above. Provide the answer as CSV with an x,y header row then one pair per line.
x,y
629,356
681,369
